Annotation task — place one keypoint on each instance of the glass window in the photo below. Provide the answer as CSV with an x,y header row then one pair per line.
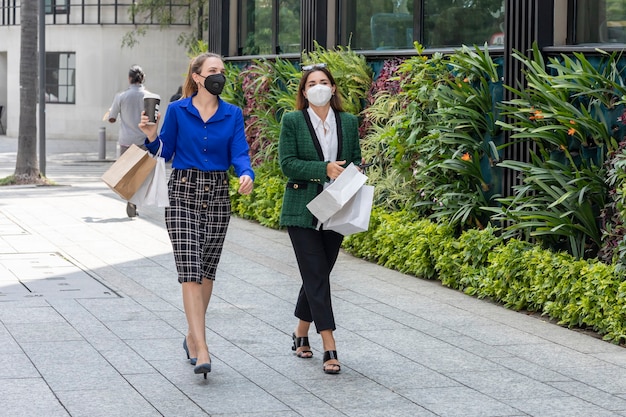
x,y
56,6
390,24
61,77
377,24
600,21
289,27
453,22
269,27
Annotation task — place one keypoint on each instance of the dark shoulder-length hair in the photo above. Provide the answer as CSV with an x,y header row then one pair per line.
x,y
303,103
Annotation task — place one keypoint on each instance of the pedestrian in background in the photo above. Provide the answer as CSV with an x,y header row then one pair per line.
x,y
316,143
205,136
127,106
178,94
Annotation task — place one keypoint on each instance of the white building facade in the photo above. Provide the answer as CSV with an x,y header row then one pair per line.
x,y
86,65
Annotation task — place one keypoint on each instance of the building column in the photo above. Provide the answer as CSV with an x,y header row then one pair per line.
x,y
526,22
314,24
218,26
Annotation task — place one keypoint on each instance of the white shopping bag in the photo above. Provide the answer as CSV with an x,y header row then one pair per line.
x,y
354,217
337,194
153,191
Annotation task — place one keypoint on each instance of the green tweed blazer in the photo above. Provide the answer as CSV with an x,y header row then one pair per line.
x,y
302,161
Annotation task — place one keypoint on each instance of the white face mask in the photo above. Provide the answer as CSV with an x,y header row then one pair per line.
x,y
319,95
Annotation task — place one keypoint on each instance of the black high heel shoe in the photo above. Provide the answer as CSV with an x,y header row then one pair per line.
x,y
331,368
204,368
299,342
191,360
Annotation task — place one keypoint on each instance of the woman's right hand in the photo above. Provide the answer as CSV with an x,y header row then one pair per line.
x,y
150,130
334,169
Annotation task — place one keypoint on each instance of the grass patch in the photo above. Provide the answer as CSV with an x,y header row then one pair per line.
x,y
25,180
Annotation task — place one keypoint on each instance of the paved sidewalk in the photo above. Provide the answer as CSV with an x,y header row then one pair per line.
x,y
92,324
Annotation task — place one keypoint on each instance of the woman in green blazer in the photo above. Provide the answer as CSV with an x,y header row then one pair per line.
x,y
317,142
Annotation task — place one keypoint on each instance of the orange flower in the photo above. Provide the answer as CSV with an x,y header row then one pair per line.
x,y
466,80
573,122
466,157
537,114
571,131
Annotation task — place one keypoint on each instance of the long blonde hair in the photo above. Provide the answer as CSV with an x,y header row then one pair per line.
x,y
195,67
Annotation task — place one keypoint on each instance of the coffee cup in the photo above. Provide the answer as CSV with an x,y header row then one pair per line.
x,y
151,103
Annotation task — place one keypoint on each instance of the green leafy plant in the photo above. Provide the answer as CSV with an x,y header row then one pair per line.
x,y
350,70
563,112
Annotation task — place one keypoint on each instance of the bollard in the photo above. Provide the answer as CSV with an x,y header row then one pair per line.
x,y
102,143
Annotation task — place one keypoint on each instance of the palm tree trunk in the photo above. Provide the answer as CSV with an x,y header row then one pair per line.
x,y
26,165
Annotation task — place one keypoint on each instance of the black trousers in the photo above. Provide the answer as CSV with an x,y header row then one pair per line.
x,y
316,252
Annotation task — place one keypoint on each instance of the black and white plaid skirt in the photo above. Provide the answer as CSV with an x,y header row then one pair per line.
x,y
197,221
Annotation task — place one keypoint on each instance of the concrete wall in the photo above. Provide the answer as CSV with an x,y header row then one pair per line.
x,y
101,71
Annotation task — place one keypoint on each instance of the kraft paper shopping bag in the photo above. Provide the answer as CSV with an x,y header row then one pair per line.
x,y
129,172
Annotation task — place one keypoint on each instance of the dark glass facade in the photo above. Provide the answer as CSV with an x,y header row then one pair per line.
x,y
284,27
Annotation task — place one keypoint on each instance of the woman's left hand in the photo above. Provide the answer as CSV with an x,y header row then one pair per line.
x,y
245,184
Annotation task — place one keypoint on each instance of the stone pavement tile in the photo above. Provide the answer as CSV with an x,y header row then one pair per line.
x,y
615,355
164,396
119,309
399,408
497,334
271,381
391,370
124,358
461,402
308,405
480,348
592,395
224,392
606,377
347,392
43,332
560,406
532,370
116,279
553,356
28,244
430,351
159,349
8,345
141,329
420,324
355,318
81,376
23,312
162,307
227,398
16,365
106,401
11,289
504,384
28,397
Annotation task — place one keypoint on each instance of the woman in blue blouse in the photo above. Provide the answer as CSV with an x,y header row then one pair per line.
x,y
205,137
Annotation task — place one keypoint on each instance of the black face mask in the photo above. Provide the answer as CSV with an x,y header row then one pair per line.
x,y
214,83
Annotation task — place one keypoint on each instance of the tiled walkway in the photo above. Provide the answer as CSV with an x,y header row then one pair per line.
x,y
91,324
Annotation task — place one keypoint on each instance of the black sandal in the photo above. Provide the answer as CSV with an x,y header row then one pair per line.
x,y
331,368
299,342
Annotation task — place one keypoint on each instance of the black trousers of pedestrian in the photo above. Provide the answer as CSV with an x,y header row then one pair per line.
x,y
316,252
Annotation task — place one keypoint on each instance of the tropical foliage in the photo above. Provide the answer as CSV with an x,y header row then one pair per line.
x,y
434,128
